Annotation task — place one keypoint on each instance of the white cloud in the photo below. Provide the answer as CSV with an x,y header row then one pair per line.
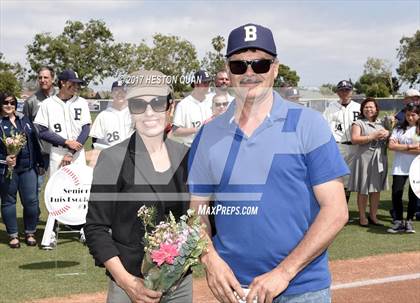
x,y
324,42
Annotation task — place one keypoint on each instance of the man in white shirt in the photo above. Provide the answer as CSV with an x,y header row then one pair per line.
x,y
340,116
113,125
222,84
63,121
192,111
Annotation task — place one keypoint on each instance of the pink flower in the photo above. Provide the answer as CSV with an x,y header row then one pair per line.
x,y
165,253
9,141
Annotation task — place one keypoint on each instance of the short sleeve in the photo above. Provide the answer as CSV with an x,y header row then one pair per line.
x,y
85,119
42,115
179,120
200,181
97,130
324,161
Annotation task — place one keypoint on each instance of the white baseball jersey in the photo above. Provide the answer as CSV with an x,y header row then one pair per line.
x,y
66,120
340,119
191,113
111,126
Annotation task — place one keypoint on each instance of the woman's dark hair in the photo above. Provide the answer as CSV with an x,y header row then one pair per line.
x,y
4,96
362,106
410,108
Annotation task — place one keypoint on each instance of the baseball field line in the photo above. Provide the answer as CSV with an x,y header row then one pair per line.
x,y
376,281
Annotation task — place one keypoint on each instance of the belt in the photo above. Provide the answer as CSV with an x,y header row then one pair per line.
x,y
346,143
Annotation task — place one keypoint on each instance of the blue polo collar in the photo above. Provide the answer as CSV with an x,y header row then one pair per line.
x,y
278,110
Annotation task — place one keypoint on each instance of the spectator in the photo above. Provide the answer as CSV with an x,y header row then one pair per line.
x,y
405,142
222,84
370,165
25,165
411,96
192,111
150,169
30,109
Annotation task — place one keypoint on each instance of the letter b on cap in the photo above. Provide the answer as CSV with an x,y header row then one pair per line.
x,y
250,33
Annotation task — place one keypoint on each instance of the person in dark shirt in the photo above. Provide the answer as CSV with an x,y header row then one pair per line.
x,y
26,164
145,169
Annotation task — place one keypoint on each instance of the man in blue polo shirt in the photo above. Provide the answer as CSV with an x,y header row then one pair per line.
x,y
274,171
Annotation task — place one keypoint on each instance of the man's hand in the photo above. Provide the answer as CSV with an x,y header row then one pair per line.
x,y
220,278
66,160
74,145
268,286
138,293
11,160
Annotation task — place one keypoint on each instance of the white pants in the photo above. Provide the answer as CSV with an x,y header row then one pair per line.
x,y
57,154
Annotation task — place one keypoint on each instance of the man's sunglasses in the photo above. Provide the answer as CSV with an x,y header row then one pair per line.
x,y
259,66
221,104
158,104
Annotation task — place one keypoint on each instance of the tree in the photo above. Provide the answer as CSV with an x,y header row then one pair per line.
x,y
409,57
10,76
286,76
173,56
88,49
214,61
377,80
327,89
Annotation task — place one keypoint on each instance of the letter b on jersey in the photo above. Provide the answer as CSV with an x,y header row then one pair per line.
x,y
250,33
77,113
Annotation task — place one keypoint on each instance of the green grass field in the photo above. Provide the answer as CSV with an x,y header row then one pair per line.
x,y
29,273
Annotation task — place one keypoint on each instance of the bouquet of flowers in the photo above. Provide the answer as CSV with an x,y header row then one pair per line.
x,y
170,249
389,122
13,144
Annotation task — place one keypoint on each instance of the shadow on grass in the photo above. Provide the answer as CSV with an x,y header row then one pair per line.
x,y
384,219
49,265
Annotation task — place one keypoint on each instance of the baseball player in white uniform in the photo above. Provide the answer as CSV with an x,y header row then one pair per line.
x,y
340,116
192,111
113,125
64,121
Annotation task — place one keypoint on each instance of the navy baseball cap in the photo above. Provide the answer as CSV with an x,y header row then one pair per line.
x,y
344,85
251,36
118,84
201,76
70,75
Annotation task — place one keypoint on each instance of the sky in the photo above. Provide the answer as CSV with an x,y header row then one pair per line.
x,y
324,41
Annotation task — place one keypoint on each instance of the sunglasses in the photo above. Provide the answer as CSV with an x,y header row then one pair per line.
x,y
158,104
13,103
221,104
259,66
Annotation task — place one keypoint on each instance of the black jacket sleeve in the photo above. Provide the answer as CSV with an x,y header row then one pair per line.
x,y
100,211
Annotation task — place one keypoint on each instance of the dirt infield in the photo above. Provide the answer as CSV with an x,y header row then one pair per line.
x,y
375,277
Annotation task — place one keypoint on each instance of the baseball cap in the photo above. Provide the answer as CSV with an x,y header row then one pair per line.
x,y
412,93
251,36
117,84
70,75
147,83
292,92
344,85
201,76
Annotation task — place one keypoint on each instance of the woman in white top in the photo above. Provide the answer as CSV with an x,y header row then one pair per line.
x,y
405,141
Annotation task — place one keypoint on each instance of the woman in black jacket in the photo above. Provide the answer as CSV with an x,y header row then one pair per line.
x,y
145,169
26,164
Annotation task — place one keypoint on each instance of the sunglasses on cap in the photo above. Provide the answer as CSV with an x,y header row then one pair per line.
x,y
159,104
412,106
220,104
259,66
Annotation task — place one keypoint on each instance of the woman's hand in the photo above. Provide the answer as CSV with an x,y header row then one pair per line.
x,y
11,160
138,293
